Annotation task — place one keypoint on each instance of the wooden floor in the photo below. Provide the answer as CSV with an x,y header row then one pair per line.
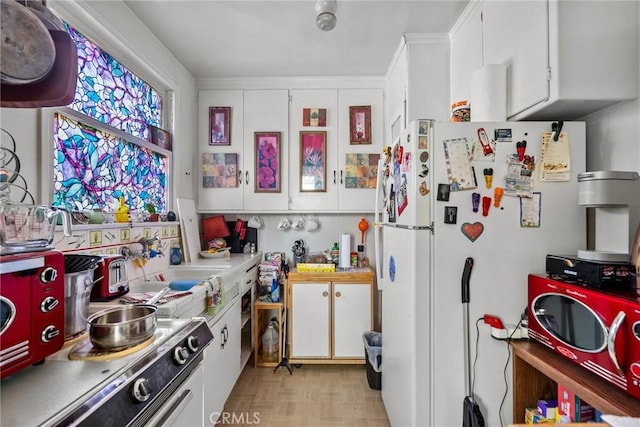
x,y
315,395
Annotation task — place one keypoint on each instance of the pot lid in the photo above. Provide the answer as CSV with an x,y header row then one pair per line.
x,y
27,49
74,263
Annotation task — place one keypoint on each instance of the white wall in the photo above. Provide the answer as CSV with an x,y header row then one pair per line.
x,y
613,138
116,29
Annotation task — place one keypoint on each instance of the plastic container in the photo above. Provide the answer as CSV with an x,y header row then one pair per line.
x,y
275,289
373,356
270,344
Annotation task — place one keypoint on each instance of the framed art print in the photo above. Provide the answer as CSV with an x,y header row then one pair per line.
x,y
267,167
219,125
313,161
219,170
160,137
314,117
360,124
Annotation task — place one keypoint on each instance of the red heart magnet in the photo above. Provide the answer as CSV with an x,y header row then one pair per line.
x,y
472,231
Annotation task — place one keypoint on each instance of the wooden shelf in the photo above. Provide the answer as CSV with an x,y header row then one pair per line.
x,y
261,318
537,371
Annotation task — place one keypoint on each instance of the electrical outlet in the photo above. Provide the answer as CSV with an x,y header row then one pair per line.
x,y
510,332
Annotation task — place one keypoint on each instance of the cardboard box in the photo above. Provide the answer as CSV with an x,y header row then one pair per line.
x,y
548,408
533,416
571,405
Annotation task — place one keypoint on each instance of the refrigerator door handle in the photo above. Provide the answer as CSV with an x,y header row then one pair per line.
x,y
377,222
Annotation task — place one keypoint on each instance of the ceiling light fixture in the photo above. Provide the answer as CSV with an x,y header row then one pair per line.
x,y
326,14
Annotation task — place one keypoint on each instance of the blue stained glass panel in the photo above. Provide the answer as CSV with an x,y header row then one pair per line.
x,y
93,168
110,93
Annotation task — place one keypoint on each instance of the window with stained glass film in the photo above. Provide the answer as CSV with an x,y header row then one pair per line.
x,y
95,164
93,169
110,93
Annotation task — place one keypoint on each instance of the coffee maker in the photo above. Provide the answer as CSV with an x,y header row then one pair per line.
x,y
615,198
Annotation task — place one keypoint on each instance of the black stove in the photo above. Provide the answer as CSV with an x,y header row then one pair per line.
x,y
120,392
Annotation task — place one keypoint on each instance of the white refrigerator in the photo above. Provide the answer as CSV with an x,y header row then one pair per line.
x,y
445,211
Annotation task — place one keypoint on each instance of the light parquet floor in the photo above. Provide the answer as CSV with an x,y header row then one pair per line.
x,y
314,396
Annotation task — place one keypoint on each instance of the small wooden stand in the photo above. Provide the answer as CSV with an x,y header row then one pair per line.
x,y
263,312
537,371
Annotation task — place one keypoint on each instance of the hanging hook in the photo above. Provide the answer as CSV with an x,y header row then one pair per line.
x,y
556,127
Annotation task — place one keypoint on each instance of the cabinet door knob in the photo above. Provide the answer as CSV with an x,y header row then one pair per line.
x,y
341,176
338,294
246,177
239,176
334,176
325,294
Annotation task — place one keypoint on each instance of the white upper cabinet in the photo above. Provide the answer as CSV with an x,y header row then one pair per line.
x,y
357,162
517,34
350,168
219,186
417,85
266,111
340,176
319,166
564,59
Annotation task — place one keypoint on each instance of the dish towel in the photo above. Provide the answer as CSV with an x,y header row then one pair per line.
x,y
143,297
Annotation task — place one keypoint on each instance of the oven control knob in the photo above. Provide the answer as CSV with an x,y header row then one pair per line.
x,y
193,343
180,355
48,275
49,333
48,304
141,390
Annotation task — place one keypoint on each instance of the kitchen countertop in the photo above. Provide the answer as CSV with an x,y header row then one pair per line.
x,y
194,304
69,380
234,263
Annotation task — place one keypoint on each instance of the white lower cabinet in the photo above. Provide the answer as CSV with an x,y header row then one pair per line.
x,y
221,363
328,318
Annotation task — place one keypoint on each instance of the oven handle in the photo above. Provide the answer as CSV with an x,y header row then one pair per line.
x,y
175,407
613,331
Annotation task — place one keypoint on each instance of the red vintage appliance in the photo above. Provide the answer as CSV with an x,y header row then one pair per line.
x,y
598,330
31,307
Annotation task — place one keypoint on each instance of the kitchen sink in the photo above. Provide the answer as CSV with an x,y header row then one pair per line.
x,y
172,274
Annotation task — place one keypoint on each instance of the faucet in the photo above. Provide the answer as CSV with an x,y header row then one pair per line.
x,y
128,254
146,244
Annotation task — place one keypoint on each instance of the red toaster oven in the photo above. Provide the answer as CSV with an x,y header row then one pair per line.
x,y
599,330
31,308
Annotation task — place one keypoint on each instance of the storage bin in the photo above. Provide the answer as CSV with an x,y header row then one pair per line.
x,y
373,357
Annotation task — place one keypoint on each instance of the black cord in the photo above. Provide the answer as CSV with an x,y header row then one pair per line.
x,y
504,372
475,359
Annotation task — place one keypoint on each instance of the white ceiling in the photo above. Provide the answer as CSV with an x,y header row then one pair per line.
x,y
242,38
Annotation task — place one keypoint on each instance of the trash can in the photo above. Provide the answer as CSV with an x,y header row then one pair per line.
x,y
373,356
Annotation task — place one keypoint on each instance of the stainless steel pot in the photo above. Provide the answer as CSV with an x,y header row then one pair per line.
x,y
77,290
120,327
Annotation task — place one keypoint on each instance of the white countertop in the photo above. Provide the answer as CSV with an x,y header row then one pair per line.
x,y
194,304
70,378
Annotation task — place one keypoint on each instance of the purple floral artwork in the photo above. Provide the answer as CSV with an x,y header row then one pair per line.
x,y
267,162
312,152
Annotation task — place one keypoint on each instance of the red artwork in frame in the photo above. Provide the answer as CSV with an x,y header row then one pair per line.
x,y
360,124
313,161
219,125
267,168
